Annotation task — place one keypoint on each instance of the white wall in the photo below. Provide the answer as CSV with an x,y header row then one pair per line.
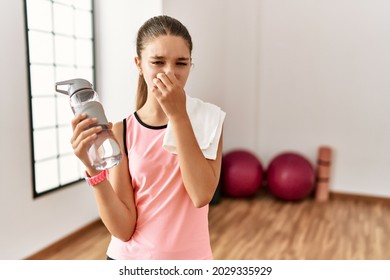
x,y
117,23
294,75
324,69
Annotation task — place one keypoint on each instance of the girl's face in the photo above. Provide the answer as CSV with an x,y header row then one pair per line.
x,y
165,54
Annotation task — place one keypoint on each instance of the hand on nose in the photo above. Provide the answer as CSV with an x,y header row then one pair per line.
x,y
166,76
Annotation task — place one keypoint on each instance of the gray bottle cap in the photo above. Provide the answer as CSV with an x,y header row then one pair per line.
x,y
74,85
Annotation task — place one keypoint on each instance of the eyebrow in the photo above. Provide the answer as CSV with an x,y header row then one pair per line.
x,y
163,57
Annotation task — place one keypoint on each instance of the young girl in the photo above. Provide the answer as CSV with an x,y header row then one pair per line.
x,y
155,202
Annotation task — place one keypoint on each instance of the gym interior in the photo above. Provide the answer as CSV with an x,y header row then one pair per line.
x,y
306,90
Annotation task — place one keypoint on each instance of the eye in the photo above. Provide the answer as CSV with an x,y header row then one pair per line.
x,y
182,63
158,62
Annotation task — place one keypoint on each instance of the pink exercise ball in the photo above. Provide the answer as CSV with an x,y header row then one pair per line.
x,y
242,174
290,177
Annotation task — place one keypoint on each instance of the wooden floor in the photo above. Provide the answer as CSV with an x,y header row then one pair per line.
x,y
265,228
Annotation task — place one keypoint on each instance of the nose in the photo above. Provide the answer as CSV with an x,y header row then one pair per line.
x,y
170,70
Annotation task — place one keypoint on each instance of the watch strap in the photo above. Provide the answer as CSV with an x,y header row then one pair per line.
x,y
97,179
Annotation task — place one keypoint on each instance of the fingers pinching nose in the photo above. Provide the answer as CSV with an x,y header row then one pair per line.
x,y
159,75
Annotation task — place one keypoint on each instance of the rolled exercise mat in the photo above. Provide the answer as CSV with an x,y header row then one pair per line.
x,y
324,163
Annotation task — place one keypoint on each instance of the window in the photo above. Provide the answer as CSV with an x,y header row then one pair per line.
x,y
60,47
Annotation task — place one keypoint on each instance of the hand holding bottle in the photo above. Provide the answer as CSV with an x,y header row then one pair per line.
x,y
85,132
93,140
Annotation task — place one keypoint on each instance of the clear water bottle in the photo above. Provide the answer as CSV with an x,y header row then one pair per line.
x,y
105,152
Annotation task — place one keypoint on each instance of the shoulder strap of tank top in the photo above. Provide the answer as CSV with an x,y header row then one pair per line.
x,y
125,136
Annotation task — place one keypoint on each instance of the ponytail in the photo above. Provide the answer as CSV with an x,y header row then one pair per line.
x,y
142,93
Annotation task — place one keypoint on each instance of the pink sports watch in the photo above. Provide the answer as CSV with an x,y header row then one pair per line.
x,y
93,181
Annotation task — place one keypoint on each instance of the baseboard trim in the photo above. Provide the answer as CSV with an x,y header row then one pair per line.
x,y
359,197
55,247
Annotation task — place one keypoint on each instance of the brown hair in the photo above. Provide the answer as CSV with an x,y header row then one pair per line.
x,y
151,29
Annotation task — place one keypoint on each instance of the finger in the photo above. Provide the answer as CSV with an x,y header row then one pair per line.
x,y
81,122
165,79
82,147
171,76
78,139
83,126
159,85
78,119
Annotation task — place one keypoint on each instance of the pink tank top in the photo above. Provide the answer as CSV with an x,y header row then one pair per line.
x,y
168,225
